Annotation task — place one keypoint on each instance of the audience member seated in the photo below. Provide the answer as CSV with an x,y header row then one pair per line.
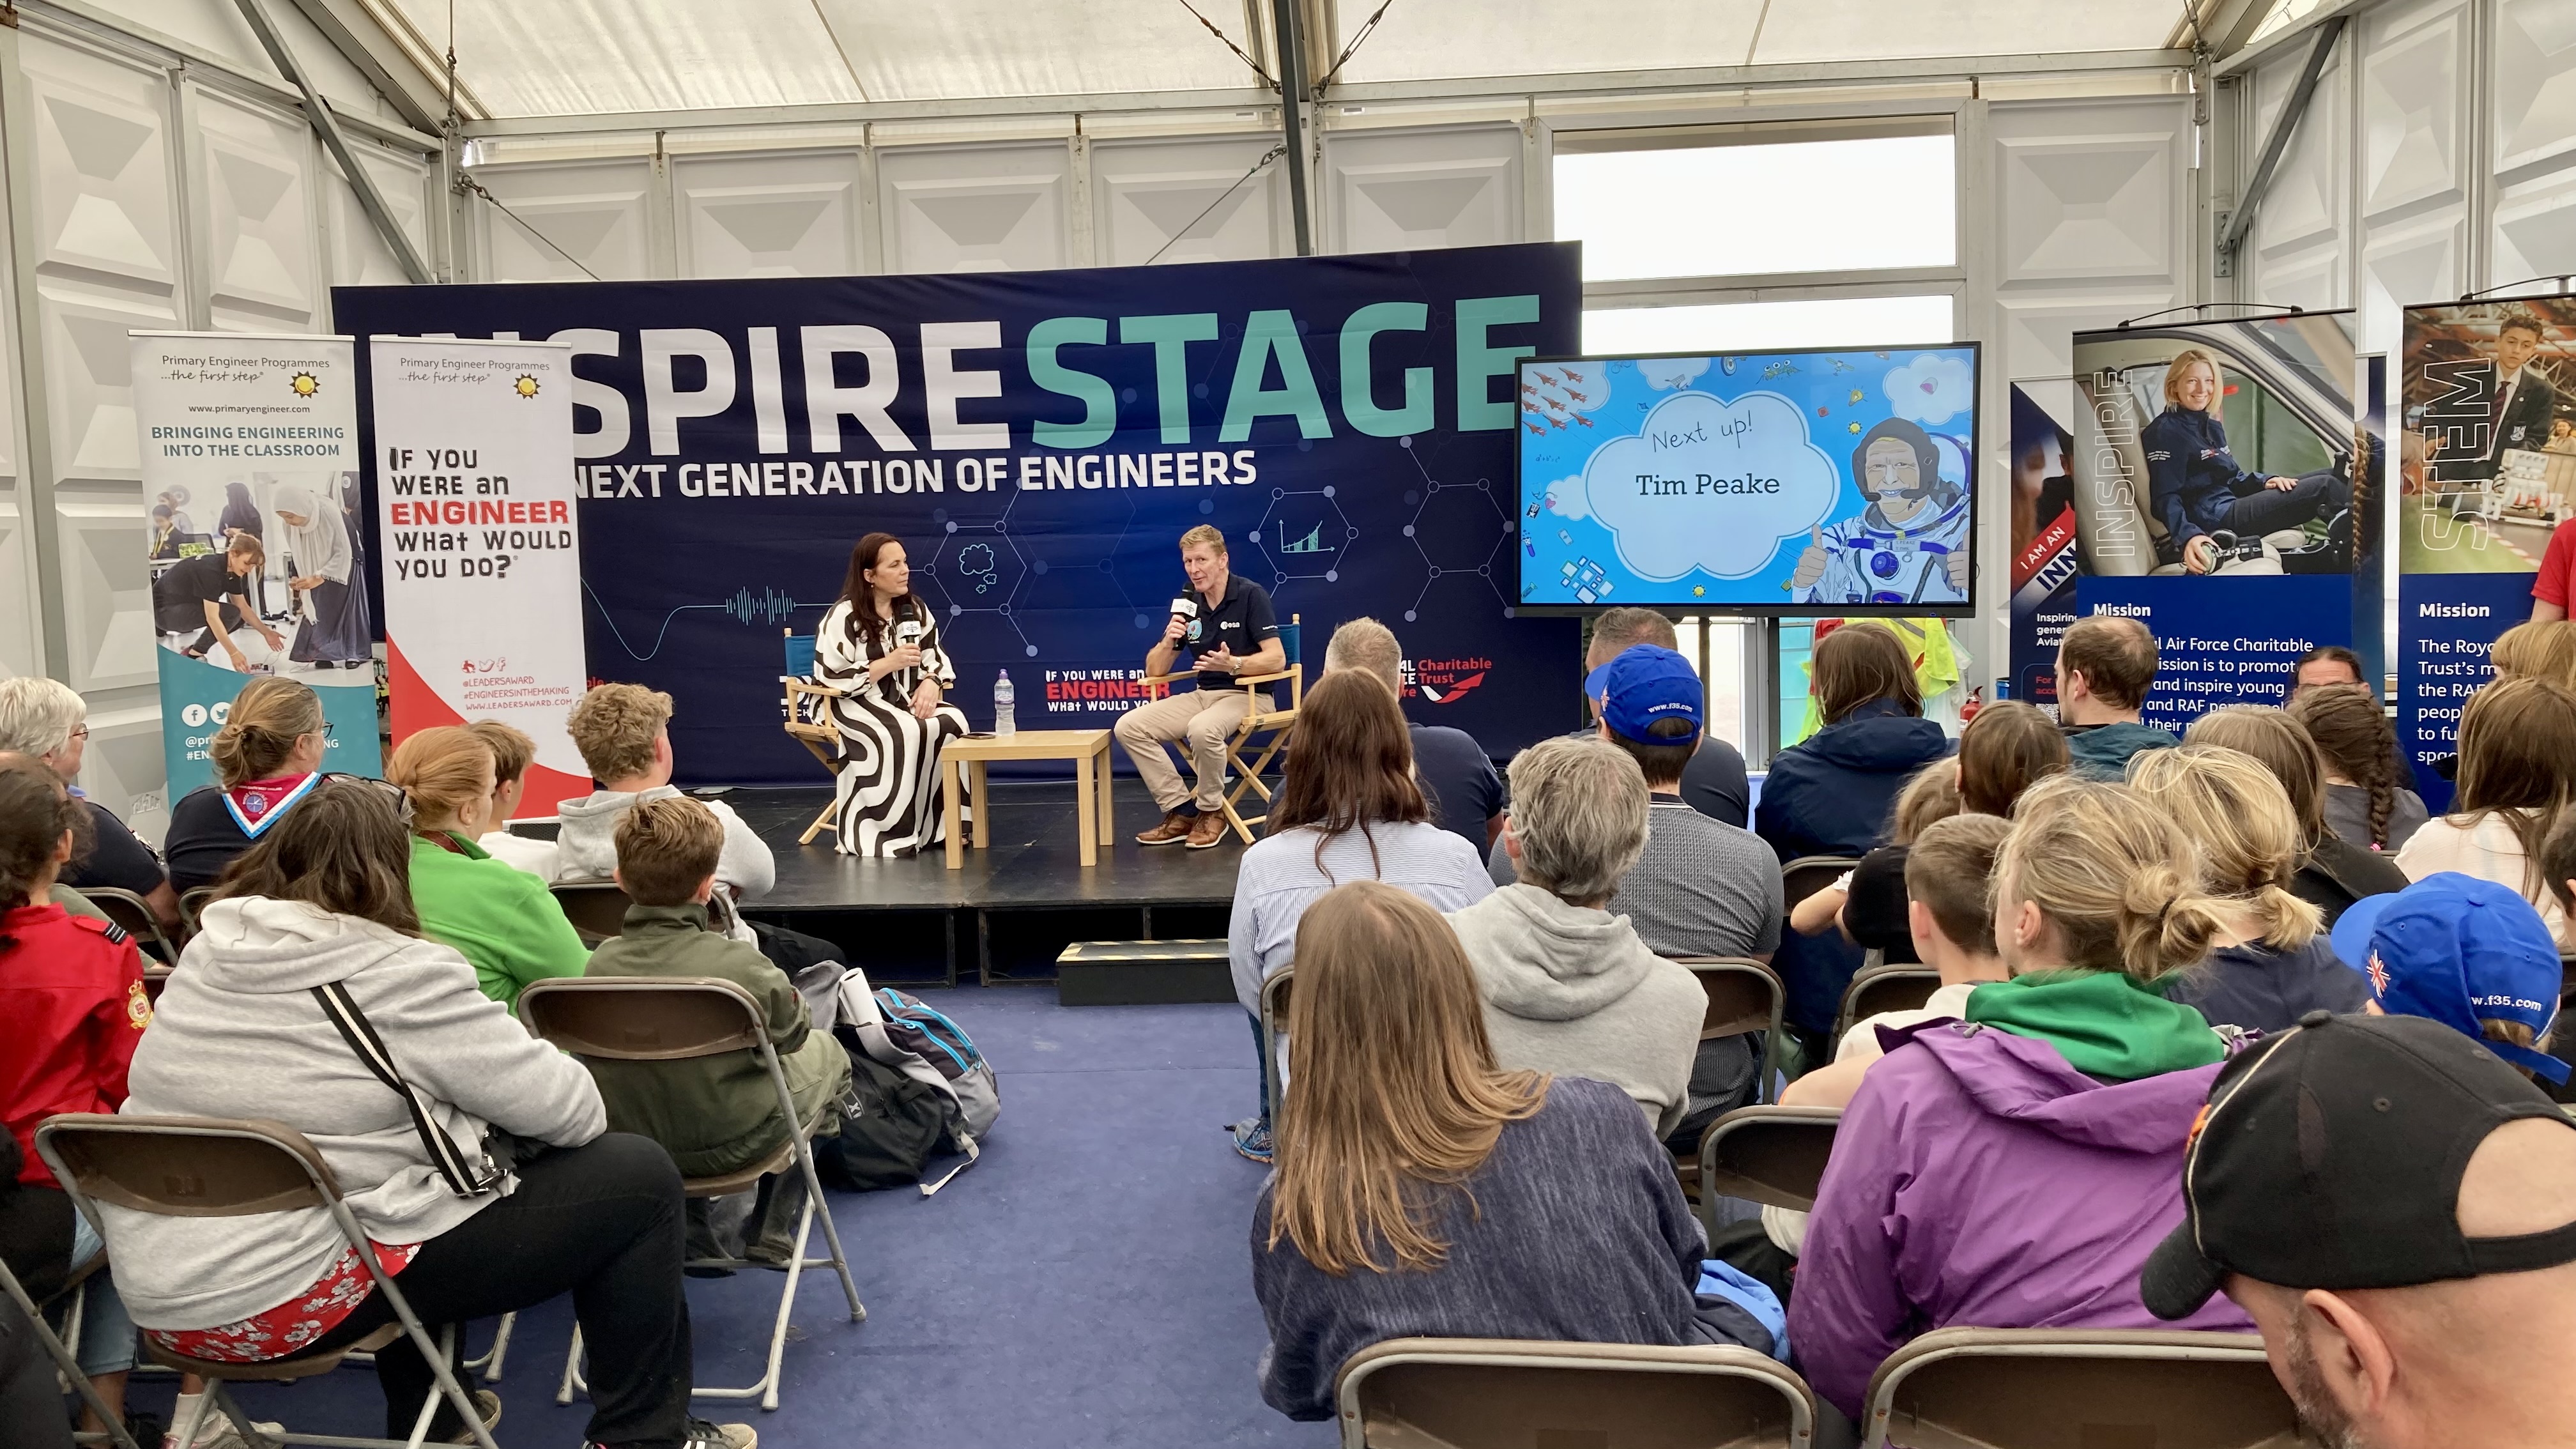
x,y
1867,905
1832,793
2269,964
1347,810
71,990
1701,887
324,900
2367,803
2333,872
1714,782
2105,666
512,753
47,720
2329,666
1422,1190
2007,748
265,756
1456,775
2469,954
2537,649
2441,1308
717,1115
2014,1170
624,734
1569,989
2517,771
501,919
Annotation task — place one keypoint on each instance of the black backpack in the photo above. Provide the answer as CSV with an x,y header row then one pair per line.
x,y
891,1124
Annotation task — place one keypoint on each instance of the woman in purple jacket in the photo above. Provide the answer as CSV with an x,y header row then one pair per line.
x,y
2015,1169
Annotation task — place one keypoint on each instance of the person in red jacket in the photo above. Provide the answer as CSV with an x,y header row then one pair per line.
x,y
71,989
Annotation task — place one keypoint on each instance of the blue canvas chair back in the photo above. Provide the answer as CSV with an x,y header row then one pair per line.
x,y
1288,637
799,659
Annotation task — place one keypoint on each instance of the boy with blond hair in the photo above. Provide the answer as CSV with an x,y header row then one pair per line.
x,y
624,734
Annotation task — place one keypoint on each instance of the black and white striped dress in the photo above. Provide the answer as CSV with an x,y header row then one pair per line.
x,y
888,802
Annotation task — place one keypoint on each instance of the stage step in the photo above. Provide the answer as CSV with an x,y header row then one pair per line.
x,y
1143,973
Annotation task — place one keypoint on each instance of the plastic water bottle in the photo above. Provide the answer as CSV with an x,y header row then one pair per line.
x,y
1004,697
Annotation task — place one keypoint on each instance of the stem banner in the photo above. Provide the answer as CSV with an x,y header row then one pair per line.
x,y
481,540
250,476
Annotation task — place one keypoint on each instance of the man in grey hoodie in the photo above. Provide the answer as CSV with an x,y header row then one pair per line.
x,y
1568,987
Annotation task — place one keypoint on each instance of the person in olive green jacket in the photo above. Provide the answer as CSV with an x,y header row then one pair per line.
x,y
716,1114
503,920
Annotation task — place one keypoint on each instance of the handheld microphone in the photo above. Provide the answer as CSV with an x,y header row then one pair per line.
x,y
907,632
1185,609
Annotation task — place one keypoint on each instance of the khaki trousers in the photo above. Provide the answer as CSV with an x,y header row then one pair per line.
x,y
1203,720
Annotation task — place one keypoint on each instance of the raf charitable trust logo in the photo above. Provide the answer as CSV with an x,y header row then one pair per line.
x,y
1446,681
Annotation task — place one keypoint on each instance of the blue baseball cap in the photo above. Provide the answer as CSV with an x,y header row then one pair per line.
x,y
2458,950
1645,684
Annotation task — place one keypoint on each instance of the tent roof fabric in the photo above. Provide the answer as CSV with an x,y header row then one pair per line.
x,y
606,57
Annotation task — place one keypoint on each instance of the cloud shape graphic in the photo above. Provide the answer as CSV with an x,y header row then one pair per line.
x,y
1665,374
1567,498
1711,485
1562,389
1931,388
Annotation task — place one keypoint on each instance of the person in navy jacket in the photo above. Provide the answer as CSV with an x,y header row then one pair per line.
x,y
2196,486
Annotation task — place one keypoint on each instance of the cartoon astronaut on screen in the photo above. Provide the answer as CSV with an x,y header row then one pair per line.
x,y
1909,546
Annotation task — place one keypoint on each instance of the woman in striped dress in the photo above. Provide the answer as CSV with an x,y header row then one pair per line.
x,y
880,647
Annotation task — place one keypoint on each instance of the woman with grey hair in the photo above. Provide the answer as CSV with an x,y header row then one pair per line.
x,y
47,721
1568,987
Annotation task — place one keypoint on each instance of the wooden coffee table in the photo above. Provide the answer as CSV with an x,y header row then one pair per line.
x,y
1089,751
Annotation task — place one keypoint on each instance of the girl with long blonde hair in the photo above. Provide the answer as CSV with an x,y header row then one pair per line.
x,y
1420,1190
499,917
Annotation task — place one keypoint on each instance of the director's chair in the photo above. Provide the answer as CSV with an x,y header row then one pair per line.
x,y
808,720
1264,733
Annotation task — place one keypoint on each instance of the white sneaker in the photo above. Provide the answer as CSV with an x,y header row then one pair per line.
x,y
217,1432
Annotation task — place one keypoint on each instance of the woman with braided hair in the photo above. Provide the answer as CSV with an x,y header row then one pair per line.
x,y
2366,802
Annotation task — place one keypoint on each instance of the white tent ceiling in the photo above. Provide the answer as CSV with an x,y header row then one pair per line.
x,y
534,58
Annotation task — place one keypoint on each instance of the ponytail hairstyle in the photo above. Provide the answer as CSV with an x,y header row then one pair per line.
x,y
269,715
446,770
2008,747
2355,740
2250,838
36,812
2119,883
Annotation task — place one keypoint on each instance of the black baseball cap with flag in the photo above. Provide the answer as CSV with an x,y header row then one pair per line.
x,y
2331,1157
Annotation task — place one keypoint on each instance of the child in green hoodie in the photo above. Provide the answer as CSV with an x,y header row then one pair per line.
x,y
716,1114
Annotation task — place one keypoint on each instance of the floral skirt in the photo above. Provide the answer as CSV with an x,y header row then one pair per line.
x,y
287,1329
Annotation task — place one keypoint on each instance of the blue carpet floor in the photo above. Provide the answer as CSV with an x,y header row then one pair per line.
x,y
1086,1285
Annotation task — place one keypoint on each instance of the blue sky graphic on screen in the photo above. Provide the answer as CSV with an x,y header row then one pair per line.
x,y
1756,480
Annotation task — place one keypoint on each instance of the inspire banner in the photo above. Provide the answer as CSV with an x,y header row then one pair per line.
x,y
250,476
482,575
1039,441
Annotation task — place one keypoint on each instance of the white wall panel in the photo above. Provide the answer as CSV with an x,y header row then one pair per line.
x,y
22,649
359,257
2410,107
2089,202
2535,81
1180,198
105,200
2295,254
592,212
794,215
975,209
107,587
1388,191
255,168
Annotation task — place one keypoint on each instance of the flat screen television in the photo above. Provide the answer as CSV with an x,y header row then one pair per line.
x,y
1829,481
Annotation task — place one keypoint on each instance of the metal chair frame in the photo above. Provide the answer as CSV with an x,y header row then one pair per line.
x,y
596,908
1373,1375
1948,1347
1274,1035
807,720
1875,977
66,1362
540,1008
1813,873
1718,1023
134,916
64,1142
1279,724
1775,1156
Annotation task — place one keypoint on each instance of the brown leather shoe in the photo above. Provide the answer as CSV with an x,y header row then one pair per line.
x,y
1207,831
1175,828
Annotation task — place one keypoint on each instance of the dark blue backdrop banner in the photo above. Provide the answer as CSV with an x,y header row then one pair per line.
x,y
1039,440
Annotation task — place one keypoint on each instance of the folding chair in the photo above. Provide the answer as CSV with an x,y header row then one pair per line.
x,y
635,1019
1267,730
1470,1393
2068,1389
1743,995
596,908
1875,989
66,1362
808,718
1809,874
205,1167
1274,1033
1770,1155
192,904
131,913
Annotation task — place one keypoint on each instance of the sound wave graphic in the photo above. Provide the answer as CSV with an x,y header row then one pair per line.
x,y
769,605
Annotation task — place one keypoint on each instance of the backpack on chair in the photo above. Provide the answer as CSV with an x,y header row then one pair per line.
x,y
911,1068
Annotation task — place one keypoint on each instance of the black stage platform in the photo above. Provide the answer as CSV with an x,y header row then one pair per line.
x,y
1014,905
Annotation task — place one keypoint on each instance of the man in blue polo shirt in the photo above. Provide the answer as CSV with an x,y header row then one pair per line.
x,y
1229,627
